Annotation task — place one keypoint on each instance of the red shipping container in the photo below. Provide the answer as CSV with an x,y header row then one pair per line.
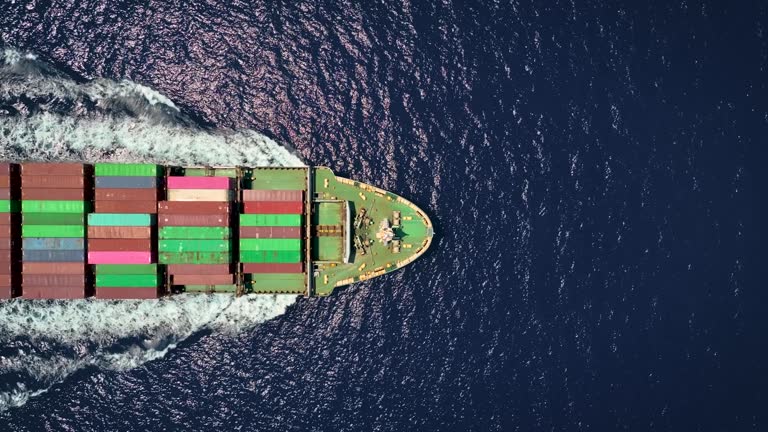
x,y
5,168
191,207
126,206
9,230
125,195
193,220
271,232
53,280
6,268
45,292
273,207
198,279
120,245
5,181
273,268
6,243
52,182
122,293
47,268
116,232
10,219
5,193
5,280
5,293
53,194
198,269
272,195
5,255
52,169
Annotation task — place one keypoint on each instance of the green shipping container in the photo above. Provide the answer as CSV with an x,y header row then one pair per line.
x,y
276,282
126,269
54,206
204,172
270,244
121,219
270,220
270,256
210,288
9,206
194,257
126,280
127,170
194,245
60,231
195,233
53,219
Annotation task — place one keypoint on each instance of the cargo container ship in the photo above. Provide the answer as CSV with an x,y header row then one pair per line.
x,y
140,231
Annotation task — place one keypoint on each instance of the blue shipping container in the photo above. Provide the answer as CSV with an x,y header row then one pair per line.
x,y
126,182
50,243
53,255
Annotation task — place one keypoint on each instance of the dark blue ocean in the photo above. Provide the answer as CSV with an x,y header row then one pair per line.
x,y
591,168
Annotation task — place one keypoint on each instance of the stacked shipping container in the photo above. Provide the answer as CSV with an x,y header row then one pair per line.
x,y
54,204
9,241
270,240
120,241
195,233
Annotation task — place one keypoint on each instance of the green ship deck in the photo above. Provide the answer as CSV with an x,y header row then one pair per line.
x,y
348,243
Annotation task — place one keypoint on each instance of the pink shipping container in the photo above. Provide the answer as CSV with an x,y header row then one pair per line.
x,y
115,257
199,182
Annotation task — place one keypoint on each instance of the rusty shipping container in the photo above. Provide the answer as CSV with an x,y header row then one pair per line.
x,y
192,220
53,194
9,218
61,268
6,267
199,269
5,181
273,267
107,194
119,244
106,232
126,206
52,169
46,292
192,207
10,230
113,293
270,232
198,279
272,195
53,280
52,182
